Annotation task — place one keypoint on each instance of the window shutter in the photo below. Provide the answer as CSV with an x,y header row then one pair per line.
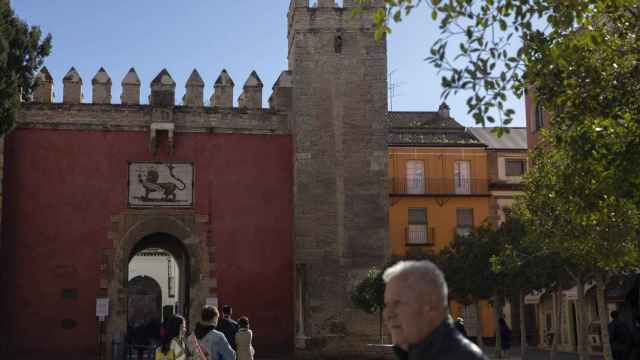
x,y
417,216
465,217
515,167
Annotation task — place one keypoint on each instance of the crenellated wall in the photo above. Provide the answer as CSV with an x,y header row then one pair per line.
x,y
68,223
163,91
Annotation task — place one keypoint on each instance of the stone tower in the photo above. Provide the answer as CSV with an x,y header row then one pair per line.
x,y
338,125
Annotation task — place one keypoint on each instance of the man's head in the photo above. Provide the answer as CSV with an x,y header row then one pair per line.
x,y
227,310
415,301
210,315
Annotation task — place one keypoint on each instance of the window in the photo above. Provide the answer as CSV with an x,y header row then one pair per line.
x,y
417,230
539,117
415,177
465,221
515,167
461,174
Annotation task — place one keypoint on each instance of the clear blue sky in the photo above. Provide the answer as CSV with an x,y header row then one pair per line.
x,y
209,35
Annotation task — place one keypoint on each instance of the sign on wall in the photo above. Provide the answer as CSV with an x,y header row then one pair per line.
x,y
160,184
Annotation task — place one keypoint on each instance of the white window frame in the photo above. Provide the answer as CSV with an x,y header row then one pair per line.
x,y
415,178
462,177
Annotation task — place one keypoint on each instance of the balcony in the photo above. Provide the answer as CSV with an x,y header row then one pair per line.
x,y
419,235
439,186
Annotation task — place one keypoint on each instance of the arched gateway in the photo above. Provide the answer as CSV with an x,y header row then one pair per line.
x,y
174,232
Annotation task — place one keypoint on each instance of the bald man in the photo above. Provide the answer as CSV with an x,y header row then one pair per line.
x,y
416,314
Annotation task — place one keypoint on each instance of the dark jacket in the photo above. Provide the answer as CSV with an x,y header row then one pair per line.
x,y
229,328
505,335
202,330
620,337
444,343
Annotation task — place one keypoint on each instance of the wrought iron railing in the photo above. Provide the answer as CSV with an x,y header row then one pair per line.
x,y
439,186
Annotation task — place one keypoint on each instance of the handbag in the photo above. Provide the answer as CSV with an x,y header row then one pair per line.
x,y
198,352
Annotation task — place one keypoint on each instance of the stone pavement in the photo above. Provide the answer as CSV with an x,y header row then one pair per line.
x,y
536,354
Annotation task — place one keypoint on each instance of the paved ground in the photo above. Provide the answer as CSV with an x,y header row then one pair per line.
x,y
534,354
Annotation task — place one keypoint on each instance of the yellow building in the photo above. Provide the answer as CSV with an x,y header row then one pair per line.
x,y
439,187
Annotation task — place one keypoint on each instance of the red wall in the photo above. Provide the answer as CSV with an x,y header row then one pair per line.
x,y
61,187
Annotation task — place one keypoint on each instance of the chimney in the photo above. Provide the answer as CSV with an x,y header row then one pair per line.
x,y
443,110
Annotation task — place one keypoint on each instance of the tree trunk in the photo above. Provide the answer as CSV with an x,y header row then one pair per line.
x,y
601,282
479,326
523,328
581,322
380,326
496,315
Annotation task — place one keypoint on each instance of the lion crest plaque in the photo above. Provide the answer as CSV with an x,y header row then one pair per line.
x,y
160,184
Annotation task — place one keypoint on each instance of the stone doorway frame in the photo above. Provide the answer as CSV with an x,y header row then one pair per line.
x,y
126,230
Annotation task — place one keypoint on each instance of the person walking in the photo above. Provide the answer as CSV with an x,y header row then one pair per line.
x,y
173,346
619,338
505,337
228,326
244,340
417,316
207,340
635,338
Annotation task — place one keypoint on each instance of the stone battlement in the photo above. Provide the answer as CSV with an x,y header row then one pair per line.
x,y
163,91
326,14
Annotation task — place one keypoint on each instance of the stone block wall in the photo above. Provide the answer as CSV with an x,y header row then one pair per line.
x,y
338,125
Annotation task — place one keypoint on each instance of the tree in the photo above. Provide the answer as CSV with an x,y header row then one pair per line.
x,y
467,265
577,210
368,296
484,47
526,268
22,52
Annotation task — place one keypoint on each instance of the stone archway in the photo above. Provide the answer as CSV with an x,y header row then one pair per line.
x,y
127,231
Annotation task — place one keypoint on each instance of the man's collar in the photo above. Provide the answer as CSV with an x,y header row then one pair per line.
x,y
431,342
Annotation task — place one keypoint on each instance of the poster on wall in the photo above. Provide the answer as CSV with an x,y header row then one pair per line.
x,y
160,184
